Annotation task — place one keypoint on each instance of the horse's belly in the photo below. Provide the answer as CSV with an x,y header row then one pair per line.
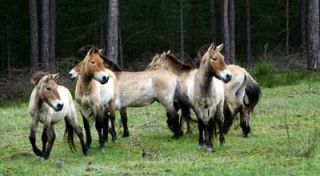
x,y
138,99
137,95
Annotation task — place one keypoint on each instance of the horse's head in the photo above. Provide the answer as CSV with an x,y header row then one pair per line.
x,y
154,64
47,89
214,59
75,71
93,66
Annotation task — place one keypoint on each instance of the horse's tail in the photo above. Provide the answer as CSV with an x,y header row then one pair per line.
x,y
253,92
69,132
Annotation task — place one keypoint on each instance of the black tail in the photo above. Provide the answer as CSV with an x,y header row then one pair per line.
x,y
70,131
253,92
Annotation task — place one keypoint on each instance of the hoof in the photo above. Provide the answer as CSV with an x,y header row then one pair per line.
x,y
125,135
201,146
102,149
210,150
245,135
189,132
41,159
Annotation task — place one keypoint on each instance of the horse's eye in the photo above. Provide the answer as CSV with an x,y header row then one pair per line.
x,y
93,62
214,59
48,88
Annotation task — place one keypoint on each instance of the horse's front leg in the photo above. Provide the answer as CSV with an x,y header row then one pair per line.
x,y
124,120
32,137
86,125
200,138
113,126
44,138
100,123
51,138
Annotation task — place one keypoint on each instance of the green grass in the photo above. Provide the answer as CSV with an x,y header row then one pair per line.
x,y
284,141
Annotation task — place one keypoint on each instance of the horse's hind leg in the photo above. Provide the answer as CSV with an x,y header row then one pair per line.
x,y
51,138
244,121
77,128
173,122
186,115
32,137
124,120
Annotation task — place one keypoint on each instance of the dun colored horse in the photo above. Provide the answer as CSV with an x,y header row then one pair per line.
x,y
96,92
49,104
137,89
202,89
241,85
206,94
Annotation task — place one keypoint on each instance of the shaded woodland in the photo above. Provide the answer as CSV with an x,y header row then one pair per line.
x,y
39,34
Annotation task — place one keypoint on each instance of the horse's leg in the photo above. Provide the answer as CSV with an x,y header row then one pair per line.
x,y
200,128
218,120
113,126
32,137
244,121
124,120
100,123
230,112
51,138
72,121
210,128
106,125
44,138
86,125
173,122
186,115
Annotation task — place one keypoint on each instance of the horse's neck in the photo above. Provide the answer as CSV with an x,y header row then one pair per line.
x,y
203,78
86,84
36,101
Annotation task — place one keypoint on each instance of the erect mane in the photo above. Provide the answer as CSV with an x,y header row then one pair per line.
x,y
178,64
110,64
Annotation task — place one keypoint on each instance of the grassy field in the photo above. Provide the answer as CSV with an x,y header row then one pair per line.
x,y
284,141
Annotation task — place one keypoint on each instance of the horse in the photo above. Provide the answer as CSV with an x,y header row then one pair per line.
x,y
242,99
206,94
138,89
240,85
50,103
96,93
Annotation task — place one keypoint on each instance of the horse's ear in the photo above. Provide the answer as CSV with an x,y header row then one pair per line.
x,y
35,78
54,76
219,47
100,51
211,47
168,52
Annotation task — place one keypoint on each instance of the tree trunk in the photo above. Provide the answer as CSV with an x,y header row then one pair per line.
x,y
52,52
45,34
303,24
181,29
213,23
248,32
313,35
231,17
287,27
225,30
112,40
34,35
